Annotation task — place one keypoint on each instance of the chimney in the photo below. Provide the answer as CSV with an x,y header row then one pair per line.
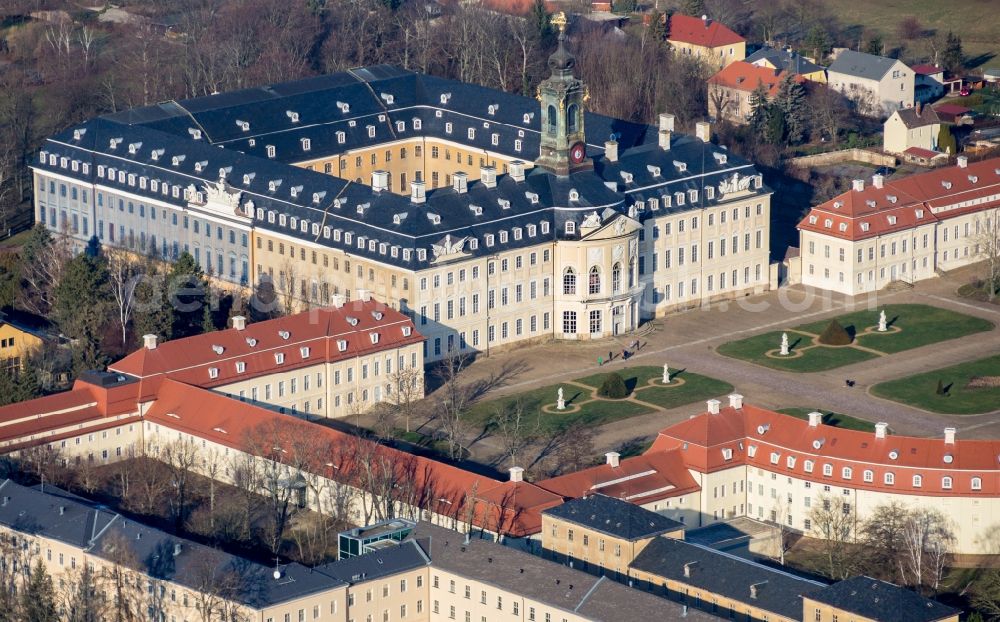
x,y
338,300
963,161
62,510
239,322
612,459
665,139
918,108
877,181
380,181
516,474
949,436
713,406
858,185
666,130
460,182
703,131
488,175
688,567
611,150
417,192
364,295
735,401
880,429
516,170
815,419
149,342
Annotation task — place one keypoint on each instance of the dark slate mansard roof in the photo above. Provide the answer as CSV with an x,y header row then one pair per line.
x,y
614,517
349,102
726,575
878,600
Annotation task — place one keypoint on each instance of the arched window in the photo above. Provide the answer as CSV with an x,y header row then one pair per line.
x,y
571,114
890,479
595,281
569,281
918,481
847,473
869,476
552,119
616,278
977,483
631,273
828,470
946,482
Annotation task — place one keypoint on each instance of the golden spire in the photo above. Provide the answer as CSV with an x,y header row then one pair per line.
x,y
559,21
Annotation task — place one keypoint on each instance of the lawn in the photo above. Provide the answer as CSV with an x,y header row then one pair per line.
x,y
598,412
920,325
975,21
921,390
831,418
753,349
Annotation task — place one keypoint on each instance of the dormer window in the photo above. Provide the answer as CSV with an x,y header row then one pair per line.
x,y
279,358
133,148
292,116
213,372
341,137
503,237
272,186
306,144
417,124
727,453
200,166
270,151
243,125
447,128
371,131
341,345
304,351
240,367
284,334
353,321
318,196
407,331
247,178
472,133
374,337
892,220
570,227
864,226
489,239
532,197
790,462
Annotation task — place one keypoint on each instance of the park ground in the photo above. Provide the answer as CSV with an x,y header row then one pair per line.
x,y
689,340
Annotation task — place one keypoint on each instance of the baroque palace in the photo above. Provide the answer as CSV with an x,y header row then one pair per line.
x,y
489,218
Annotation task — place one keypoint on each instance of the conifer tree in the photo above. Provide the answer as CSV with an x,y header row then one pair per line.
x,y
791,100
38,601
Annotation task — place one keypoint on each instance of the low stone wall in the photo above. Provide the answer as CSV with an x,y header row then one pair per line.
x,y
845,155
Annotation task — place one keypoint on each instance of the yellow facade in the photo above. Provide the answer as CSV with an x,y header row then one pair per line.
x,y
16,345
717,57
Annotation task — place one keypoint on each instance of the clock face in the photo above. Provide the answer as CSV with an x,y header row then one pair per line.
x,y
577,153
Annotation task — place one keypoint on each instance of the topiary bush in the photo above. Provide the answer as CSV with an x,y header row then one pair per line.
x,y
613,387
940,388
835,335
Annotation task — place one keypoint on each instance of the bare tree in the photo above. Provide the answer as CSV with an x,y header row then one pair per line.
x,y
453,400
408,389
121,579
720,101
834,521
987,245
882,537
513,428
927,542
182,457
246,477
124,273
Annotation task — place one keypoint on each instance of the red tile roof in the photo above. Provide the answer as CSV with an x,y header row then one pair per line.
x,y
927,70
952,109
640,479
920,152
705,33
744,76
259,345
767,440
907,202
514,508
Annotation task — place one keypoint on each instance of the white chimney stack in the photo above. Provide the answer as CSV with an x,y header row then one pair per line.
x,y
516,170
364,295
488,175
880,429
815,419
516,474
713,406
703,131
612,459
380,181
877,181
338,300
949,436
735,401
460,182
149,342
239,322
666,130
611,150
418,193
859,185
963,161
664,140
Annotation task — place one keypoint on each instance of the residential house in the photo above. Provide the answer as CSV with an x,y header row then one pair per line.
x,y
789,61
954,114
878,85
19,339
864,598
932,82
911,127
706,39
730,91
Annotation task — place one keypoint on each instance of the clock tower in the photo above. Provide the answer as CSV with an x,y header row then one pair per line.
x,y
563,147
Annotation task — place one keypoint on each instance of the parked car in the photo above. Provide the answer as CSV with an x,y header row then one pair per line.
x,y
885,171
965,92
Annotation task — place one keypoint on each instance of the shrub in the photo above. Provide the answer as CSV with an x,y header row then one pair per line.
x,y
613,387
835,335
